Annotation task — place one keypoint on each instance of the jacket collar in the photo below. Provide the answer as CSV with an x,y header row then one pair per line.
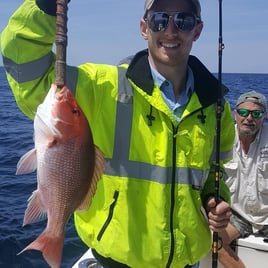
x,y
205,83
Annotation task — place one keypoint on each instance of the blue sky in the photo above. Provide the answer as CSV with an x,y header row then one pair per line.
x,y
105,31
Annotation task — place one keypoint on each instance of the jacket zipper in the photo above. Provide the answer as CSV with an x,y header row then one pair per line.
x,y
172,198
110,216
173,183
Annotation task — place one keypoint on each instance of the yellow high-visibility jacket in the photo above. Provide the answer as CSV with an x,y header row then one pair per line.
x,y
148,207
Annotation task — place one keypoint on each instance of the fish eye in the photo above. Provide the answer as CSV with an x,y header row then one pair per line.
x,y
76,111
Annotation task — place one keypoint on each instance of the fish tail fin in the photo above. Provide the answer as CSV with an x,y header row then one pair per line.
x,y
50,246
98,170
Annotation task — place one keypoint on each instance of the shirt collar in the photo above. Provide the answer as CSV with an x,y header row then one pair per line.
x,y
160,79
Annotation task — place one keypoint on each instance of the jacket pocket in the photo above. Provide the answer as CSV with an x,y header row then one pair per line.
x,y
263,178
231,171
110,216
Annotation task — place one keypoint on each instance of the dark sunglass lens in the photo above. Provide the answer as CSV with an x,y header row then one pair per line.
x,y
243,112
257,114
254,114
185,22
158,22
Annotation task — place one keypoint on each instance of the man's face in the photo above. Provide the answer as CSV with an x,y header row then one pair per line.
x,y
248,125
169,47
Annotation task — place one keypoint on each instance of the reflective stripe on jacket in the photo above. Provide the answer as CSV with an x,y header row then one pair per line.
x,y
147,210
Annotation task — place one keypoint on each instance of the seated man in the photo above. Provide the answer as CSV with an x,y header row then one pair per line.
x,y
247,176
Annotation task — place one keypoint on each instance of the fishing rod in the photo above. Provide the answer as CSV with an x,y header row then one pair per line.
x,y
215,243
61,42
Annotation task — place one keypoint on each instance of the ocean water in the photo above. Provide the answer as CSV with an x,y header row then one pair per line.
x,y
16,132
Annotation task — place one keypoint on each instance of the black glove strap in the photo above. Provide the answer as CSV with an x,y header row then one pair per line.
x,y
48,6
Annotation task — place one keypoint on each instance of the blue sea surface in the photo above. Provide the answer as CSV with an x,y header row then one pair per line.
x,y
16,138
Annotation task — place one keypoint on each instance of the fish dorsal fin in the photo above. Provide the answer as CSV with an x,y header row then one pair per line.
x,y
27,163
98,170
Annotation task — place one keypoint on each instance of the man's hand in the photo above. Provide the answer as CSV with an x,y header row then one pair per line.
x,y
218,215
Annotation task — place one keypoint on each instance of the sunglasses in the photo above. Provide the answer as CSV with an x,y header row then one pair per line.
x,y
254,113
184,22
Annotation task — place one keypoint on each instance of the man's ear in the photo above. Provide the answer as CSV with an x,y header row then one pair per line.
x,y
144,29
198,30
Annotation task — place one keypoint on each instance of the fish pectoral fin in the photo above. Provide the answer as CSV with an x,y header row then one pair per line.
x,y
45,131
35,211
27,163
98,170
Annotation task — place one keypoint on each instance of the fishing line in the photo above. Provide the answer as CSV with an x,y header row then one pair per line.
x,y
219,108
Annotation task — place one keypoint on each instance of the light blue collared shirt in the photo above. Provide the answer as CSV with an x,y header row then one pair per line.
x,y
177,107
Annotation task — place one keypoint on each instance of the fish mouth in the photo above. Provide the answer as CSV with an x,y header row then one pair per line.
x,y
62,94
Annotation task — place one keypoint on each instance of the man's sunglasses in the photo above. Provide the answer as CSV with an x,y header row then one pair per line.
x,y
185,22
254,113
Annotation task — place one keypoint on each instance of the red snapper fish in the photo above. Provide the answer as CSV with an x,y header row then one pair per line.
x,y
68,168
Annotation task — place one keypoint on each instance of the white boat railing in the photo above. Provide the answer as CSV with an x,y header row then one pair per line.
x,y
87,261
252,250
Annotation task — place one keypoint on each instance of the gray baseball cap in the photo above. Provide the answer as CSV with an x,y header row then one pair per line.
x,y
195,3
252,96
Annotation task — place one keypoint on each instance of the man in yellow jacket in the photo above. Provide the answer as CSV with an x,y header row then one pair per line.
x,y
155,120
